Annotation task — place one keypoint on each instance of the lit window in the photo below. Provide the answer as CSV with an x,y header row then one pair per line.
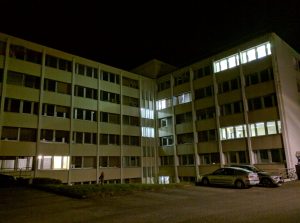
x,y
268,48
244,57
239,131
148,132
279,126
251,55
147,113
253,132
260,127
231,62
184,98
223,134
261,51
271,127
230,133
217,67
223,64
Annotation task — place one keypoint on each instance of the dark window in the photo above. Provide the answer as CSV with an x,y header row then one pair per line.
x,y
264,75
80,69
253,79
257,103
89,71
51,61
27,134
47,135
33,56
27,107
32,81
234,84
207,70
14,78
9,133
2,48
237,106
225,86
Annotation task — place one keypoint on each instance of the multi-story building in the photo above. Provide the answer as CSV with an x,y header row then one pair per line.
x,y
70,118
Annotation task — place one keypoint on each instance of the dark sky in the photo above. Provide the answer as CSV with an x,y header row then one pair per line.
x,y
128,33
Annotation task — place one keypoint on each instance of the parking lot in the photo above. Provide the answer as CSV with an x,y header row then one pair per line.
x,y
189,204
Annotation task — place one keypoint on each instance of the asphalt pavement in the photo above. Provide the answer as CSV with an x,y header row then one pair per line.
x,y
188,204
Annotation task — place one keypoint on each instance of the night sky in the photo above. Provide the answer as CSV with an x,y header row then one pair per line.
x,y
128,33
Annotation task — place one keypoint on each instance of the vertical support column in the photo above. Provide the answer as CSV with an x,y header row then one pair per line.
x,y
222,161
156,135
98,125
121,128
245,108
73,79
41,96
174,133
195,144
140,119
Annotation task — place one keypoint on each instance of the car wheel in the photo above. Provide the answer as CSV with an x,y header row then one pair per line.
x,y
266,182
239,184
205,181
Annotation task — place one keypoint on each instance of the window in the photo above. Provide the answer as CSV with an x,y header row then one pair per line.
x,y
12,105
185,138
9,133
148,132
206,113
130,82
166,160
186,160
2,48
226,63
182,78
53,162
27,134
233,132
147,113
47,135
271,128
166,141
163,103
183,98
131,161
130,101
164,85
209,158
207,135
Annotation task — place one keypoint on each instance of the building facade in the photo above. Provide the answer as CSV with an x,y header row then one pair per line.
x,y
70,118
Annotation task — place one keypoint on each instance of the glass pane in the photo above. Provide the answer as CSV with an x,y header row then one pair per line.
x,y
260,127
231,61
253,133
223,64
271,127
251,55
239,131
261,51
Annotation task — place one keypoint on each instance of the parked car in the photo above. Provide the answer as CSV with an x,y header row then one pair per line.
x,y
7,180
230,176
265,178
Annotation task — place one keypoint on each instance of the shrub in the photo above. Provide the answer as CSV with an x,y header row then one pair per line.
x,y
44,180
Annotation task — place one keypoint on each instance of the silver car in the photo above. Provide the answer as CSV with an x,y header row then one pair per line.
x,y
267,179
230,176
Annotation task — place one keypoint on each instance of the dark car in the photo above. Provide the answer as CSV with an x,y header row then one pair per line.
x,y
230,176
265,178
7,180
